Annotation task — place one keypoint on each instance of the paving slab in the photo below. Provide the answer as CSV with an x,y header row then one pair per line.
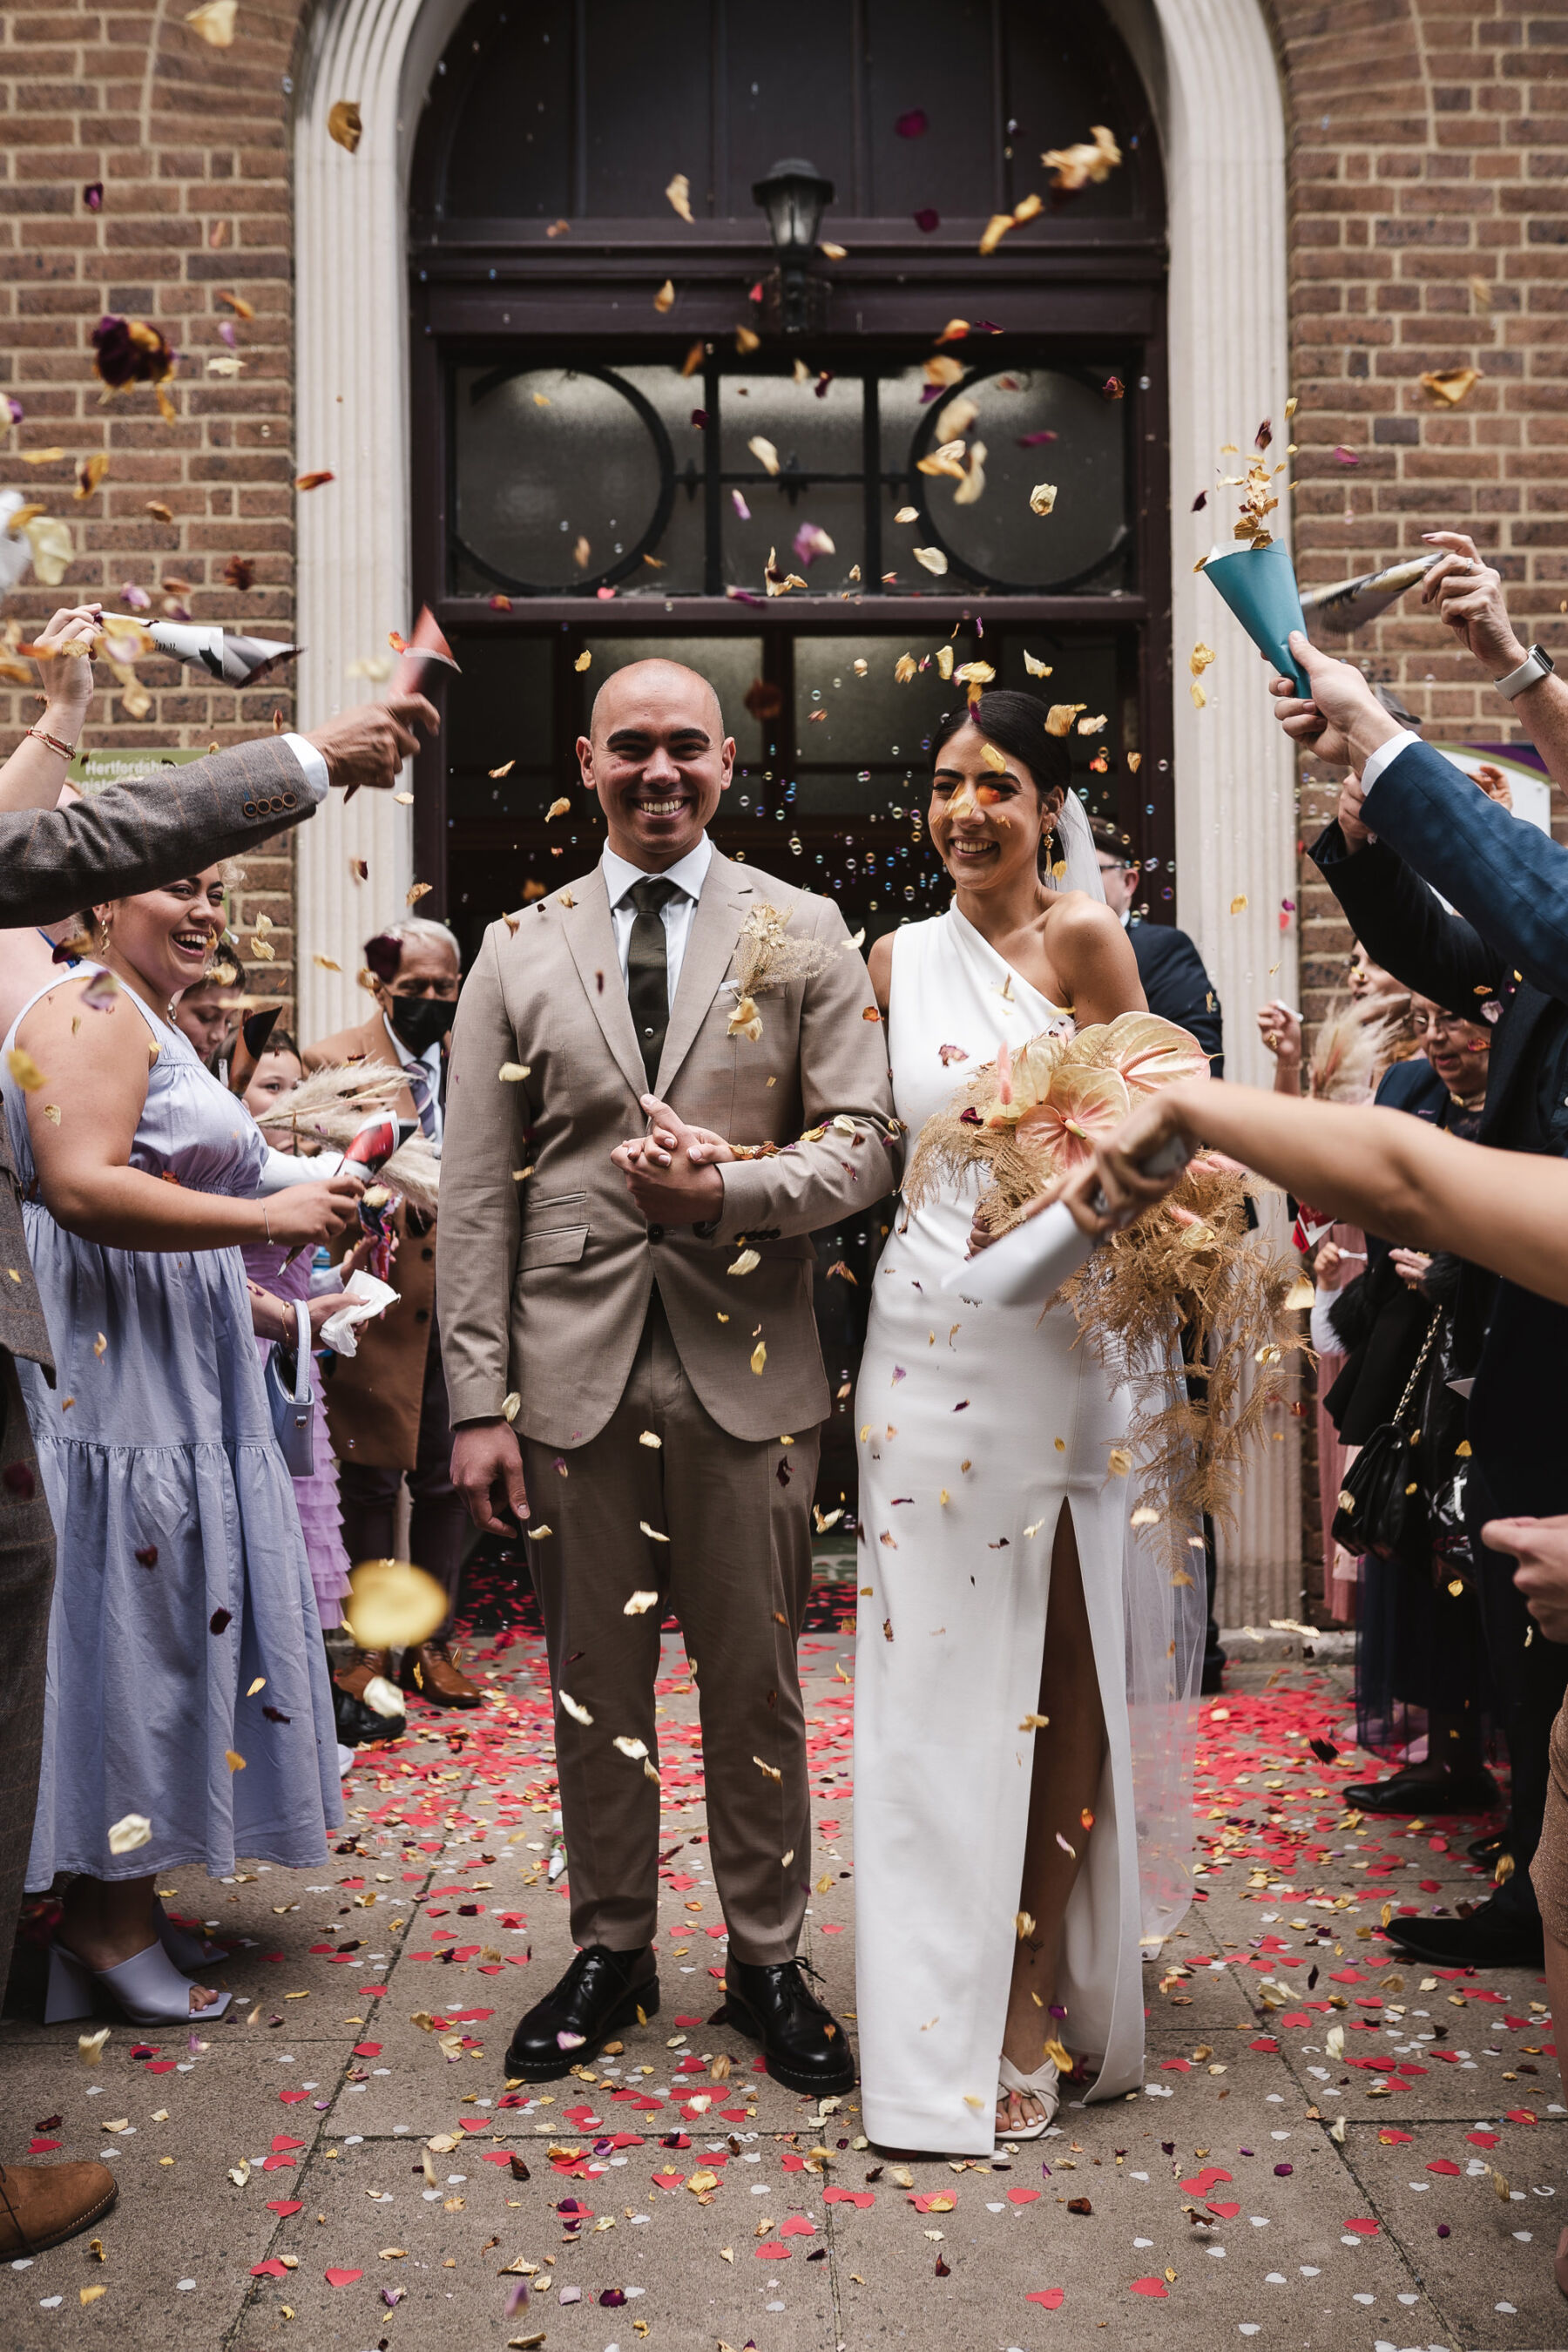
x,y
1217,2171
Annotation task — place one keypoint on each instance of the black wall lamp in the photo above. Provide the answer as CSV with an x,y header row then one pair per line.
x,y
794,197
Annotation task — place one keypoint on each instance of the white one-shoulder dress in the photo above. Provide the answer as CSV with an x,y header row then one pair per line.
x,y
979,1426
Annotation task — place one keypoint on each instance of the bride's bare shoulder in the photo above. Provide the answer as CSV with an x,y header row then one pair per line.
x,y
1071,918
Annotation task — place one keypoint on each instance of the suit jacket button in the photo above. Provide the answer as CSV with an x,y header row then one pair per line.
x,y
427,1254
656,1232
250,808
422,1315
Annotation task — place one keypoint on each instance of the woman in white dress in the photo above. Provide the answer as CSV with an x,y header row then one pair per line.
x,y
997,1880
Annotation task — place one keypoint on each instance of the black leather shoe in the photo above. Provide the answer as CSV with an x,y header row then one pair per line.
x,y
600,1992
1491,1937
1490,1847
804,2045
1425,1792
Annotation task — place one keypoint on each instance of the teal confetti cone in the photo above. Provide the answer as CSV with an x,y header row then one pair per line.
x,y
1259,584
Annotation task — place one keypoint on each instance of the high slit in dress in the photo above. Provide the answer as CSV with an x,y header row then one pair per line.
x,y
978,1426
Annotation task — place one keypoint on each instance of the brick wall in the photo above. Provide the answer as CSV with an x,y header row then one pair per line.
x,y
1428,175
191,144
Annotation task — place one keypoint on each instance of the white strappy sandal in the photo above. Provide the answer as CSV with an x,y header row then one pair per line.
x,y
1044,2086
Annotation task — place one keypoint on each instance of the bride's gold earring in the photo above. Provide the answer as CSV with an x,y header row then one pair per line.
x,y
104,941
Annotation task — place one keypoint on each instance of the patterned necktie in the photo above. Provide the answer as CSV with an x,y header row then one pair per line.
x,y
648,970
418,1082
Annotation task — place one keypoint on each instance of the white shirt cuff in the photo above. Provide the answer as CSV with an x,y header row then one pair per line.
x,y
317,780
1383,754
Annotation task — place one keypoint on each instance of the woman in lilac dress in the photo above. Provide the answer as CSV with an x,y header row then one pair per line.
x,y
188,1715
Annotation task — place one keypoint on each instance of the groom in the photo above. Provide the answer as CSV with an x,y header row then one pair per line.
x,y
631,1351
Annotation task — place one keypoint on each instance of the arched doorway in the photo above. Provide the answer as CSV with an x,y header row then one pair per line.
x,y
614,436
1210,70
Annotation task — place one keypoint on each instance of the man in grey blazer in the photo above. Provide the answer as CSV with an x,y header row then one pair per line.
x,y
630,1347
53,863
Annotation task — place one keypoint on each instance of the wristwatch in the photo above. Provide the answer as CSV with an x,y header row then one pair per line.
x,y
1536,664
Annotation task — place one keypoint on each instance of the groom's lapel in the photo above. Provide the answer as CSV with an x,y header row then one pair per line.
x,y
591,937
726,899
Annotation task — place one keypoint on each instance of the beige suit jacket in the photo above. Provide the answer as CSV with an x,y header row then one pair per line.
x,y
545,1280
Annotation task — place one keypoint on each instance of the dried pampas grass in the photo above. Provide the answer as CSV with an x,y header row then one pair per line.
x,y
1353,1046
1191,1273
765,959
1192,1270
331,1104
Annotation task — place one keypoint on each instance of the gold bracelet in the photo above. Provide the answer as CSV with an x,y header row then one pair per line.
x,y
65,751
266,1220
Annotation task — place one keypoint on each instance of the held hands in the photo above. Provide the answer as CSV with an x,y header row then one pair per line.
x,y
1344,722
487,1471
1467,594
67,676
672,1172
369,744
1541,1548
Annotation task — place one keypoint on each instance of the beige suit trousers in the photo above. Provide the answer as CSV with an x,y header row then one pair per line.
x,y
737,1572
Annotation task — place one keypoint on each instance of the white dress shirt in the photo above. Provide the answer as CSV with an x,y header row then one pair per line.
x,y
1383,754
430,1063
315,767
687,874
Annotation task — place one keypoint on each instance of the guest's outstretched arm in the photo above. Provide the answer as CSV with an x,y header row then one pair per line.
x,y
1377,1169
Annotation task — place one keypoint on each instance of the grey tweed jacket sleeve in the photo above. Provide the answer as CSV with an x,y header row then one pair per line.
x,y
130,837
126,838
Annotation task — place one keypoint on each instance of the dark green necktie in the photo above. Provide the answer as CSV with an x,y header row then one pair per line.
x,y
648,970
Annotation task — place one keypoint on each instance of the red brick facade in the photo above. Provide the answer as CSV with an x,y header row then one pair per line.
x,y
191,144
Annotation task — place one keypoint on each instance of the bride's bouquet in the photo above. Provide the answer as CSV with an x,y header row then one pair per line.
x,y
1194,1267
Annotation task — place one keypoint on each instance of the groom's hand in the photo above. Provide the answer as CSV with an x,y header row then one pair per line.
x,y
487,1466
670,1172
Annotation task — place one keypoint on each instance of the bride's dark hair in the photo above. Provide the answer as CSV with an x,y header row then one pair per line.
x,y
1016,723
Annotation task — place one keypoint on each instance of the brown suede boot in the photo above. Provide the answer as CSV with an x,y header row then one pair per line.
x,y
432,1671
42,2203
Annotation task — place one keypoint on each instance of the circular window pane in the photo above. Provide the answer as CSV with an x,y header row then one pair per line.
x,y
563,476
1022,427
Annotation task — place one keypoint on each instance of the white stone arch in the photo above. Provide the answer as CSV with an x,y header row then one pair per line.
x,y
1210,69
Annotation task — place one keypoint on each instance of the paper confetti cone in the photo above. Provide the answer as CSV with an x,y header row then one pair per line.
x,y
1259,584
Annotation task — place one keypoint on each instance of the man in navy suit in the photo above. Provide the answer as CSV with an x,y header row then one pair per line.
x,y
1175,981
1408,812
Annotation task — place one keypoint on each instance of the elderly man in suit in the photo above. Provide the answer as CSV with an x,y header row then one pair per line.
x,y
386,1406
127,838
631,1350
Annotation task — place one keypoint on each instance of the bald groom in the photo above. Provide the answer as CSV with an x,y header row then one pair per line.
x,y
654,1386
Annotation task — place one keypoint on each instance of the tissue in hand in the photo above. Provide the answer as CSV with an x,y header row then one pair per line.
x,y
363,1296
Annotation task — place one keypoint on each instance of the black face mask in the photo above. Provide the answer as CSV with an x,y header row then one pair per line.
x,y
421,1022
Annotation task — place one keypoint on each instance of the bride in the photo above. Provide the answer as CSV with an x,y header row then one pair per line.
x,y
997,1864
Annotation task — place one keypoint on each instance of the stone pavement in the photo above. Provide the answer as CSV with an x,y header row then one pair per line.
x,y
338,2167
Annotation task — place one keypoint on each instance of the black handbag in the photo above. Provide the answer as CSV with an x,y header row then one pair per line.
x,y
1382,1509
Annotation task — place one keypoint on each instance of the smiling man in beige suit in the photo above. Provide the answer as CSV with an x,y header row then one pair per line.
x,y
648,1320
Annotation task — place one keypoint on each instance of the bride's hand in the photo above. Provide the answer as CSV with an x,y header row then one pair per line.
x,y
982,1233
668,1133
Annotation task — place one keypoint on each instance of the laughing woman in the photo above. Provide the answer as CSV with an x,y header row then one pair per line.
x,y
996,1852
187,1682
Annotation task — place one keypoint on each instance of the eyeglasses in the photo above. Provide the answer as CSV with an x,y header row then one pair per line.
x,y
1439,1025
